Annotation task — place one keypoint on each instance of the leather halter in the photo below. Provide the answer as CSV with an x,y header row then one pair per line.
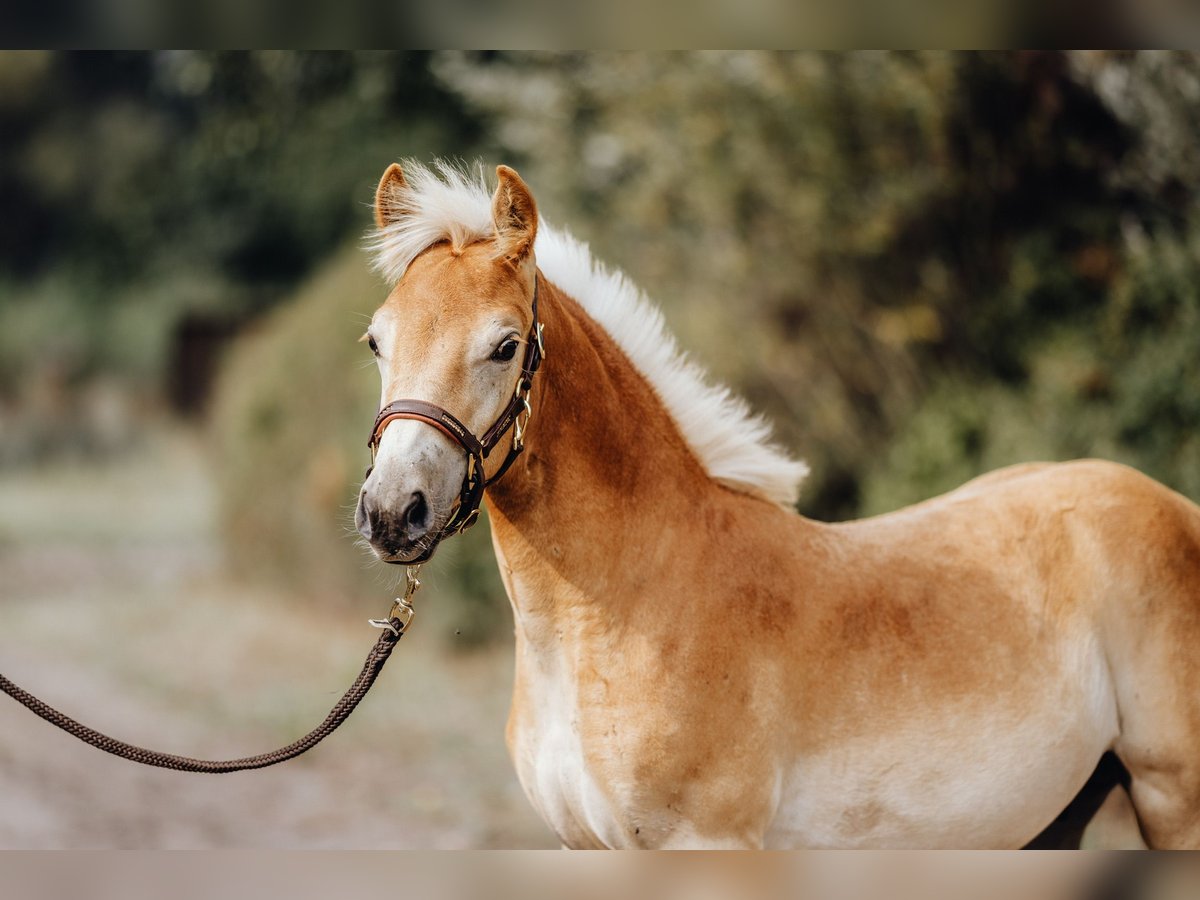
x,y
477,449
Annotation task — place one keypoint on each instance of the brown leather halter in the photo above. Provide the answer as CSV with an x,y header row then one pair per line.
x,y
477,449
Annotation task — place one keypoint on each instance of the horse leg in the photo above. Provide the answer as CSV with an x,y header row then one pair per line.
x,y
1100,816
1159,742
1160,746
1115,825
1160,737
1168,809
1152,630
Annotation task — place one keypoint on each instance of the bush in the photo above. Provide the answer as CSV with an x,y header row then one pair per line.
x,y
1122,388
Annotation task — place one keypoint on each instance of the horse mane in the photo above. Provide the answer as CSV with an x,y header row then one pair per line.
x,y
447,202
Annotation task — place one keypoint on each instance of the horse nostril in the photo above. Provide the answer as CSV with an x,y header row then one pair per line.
x,y
416,515
364,517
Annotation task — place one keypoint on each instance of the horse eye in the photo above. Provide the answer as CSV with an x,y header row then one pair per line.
x,y
505,351
374,346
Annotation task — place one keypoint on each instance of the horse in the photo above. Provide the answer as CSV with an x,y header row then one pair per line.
x,y
699,665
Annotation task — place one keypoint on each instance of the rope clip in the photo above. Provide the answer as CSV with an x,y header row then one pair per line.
x,y
401,614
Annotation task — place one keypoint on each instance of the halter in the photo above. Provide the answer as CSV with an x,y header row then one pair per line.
x,y
516,416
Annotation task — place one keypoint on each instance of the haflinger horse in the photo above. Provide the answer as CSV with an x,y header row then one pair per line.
x,y
697,665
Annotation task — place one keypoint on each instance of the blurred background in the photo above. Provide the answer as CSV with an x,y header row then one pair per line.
x,y
919,266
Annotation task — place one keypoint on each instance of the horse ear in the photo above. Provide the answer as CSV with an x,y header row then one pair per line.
x,y
388,203
514,216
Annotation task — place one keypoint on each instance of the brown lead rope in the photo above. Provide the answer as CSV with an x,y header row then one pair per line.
x,y
393,629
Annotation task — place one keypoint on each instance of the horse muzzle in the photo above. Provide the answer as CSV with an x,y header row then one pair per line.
x,y
410,494
396,533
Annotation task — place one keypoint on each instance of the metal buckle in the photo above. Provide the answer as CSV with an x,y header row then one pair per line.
x,y
538,335
519,426
468,521
402,610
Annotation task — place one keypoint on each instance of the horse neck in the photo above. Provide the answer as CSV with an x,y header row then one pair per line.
x,y
582,515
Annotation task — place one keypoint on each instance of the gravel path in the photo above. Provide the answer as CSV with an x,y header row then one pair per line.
x,y
113,606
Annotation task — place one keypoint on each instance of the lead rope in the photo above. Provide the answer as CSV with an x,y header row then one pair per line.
x,y
393,628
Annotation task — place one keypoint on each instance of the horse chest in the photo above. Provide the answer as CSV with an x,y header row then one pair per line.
x,y
584,767
547,748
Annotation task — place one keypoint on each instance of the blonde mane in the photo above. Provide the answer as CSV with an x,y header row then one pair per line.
x,y
446,202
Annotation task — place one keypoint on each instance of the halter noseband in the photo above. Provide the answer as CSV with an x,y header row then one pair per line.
x,y
477,449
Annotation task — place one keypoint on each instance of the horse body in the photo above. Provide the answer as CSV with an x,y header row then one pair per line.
x,y
699,666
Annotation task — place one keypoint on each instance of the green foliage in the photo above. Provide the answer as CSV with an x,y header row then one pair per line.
x,y
143,188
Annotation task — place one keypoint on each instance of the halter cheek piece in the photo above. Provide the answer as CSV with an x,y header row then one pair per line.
x,y
516,416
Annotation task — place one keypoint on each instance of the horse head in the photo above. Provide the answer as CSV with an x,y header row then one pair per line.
x,y
456,342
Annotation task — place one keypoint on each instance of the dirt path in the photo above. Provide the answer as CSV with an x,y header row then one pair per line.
x,y
113,606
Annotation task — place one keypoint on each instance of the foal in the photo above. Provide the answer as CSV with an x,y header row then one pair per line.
x,y
697,665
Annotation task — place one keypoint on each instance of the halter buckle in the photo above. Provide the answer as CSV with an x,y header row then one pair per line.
x,y
520,426
538,336
470,519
